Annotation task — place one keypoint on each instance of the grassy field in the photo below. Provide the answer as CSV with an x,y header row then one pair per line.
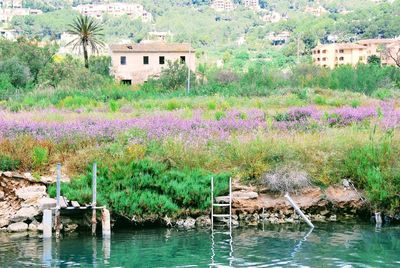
x,y
163,150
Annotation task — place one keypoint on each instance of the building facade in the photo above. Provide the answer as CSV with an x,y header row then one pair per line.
x,y
253,4
332,55
134,11
11,3
223,5
6,14
136,63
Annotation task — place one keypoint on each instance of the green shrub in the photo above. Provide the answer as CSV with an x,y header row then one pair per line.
x,y
145,187
8,164
40,156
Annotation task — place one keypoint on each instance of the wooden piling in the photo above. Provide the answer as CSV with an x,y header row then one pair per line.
x,y
105,222
58,190
94,198
47,223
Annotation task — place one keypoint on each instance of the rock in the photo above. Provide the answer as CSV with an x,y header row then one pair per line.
x,y
25,213
203,221
31,192
69,228
167,220
242,195
188,223
33,227
8,174
47,203
333,218
346,183
4,222
40,227
324,212
18,227
2,195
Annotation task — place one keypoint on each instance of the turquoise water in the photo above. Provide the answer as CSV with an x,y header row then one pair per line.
x,y
328,245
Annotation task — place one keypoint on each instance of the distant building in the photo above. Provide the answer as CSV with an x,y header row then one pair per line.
x,y
135,11
253,4
135,63
279,39
160,36
11,3
380,47
6,14
332,55
274,17
316,11
223,5
9,34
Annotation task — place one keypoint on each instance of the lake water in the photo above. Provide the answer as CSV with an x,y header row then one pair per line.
x,y
328,245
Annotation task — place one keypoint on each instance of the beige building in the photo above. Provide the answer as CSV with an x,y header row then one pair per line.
x,y
332,55
135,63
134,11
11,3
253,4
223,5
6,14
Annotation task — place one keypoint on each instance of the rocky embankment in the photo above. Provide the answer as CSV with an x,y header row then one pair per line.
x,y
23,199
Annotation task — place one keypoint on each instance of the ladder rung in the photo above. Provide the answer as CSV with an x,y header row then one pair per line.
x,y
221,205
221,215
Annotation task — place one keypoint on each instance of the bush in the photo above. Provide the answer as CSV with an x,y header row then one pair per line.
x,y
40,156
286,179
18,73
8,164
146,188
174,76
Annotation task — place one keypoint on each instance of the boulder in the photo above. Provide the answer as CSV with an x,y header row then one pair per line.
x,y
4,222
188,223
25,213
18,227
31,192
203,221
33,227
2,195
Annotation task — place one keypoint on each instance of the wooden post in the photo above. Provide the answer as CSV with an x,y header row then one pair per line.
x,y
58,190
105,222
47,223
94,198
212,203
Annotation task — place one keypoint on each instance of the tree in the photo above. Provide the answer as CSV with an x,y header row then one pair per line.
x,y
392,53
374,59
88,34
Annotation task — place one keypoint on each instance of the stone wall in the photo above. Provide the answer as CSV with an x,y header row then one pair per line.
x,y
22,201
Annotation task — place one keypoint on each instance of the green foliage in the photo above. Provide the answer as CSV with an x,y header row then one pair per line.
x,y
147,188
100,65
7,163
18,73
40,156
372,167
174,76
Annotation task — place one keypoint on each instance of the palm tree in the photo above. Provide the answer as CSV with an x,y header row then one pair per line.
x,y
88,33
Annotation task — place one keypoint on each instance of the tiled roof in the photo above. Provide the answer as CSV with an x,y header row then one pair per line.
x,y
152,47
377,41
341,46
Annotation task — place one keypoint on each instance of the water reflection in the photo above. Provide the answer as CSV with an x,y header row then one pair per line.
x,y
272,246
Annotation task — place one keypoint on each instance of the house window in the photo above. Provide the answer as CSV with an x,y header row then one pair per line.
x,y
324,51
123,60
341,58
183,59
161,60
341,51
145,60
318,59
324,59
126,82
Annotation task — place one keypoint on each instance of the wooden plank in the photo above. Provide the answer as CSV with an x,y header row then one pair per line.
x,y
75,204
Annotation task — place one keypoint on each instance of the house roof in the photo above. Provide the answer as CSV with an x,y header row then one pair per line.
x,y
377,41
341,46
152,47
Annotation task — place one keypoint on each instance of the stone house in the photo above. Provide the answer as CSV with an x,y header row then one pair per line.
x,y
135,63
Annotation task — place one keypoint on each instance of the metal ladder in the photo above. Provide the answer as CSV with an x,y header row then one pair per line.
x,y
229,239
213,205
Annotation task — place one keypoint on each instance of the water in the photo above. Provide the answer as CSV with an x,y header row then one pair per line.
x,y
328,245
